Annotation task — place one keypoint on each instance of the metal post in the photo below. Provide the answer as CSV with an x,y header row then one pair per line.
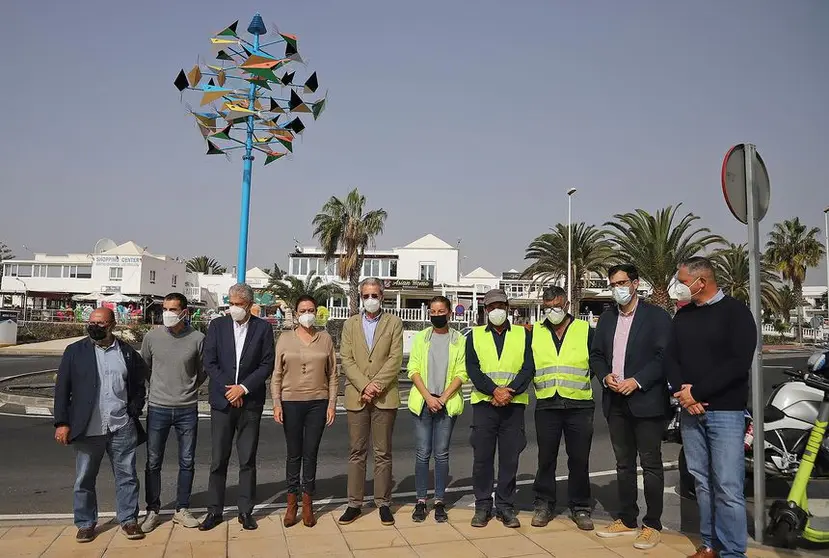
x,y
256,28
570,193
826,230
757,403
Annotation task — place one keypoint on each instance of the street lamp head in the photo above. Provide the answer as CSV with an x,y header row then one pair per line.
x,y
826,210
571,191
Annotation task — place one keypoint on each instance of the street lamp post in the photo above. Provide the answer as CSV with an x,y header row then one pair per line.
x,y
826,231
570,193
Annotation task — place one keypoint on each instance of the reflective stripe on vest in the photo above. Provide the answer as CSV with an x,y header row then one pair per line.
x,y
501,370
566,373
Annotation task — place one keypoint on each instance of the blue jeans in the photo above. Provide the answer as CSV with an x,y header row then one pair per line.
x,y
715,456
160,420
432,435
89,452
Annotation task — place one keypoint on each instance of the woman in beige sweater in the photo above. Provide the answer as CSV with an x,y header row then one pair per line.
x,y
304,391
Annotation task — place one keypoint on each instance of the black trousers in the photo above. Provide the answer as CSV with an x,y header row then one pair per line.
x,y
304,423
577,427
630,436
502,427
243,424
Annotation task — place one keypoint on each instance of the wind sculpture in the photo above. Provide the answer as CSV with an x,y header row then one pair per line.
x,y
239,108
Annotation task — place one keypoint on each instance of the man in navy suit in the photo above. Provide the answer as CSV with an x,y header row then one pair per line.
x,y
99,395
238,358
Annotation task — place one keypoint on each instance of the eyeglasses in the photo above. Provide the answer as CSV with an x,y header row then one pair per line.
x,y
372,295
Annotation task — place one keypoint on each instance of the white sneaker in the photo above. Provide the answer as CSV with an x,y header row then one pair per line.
x,y
184,518
151,521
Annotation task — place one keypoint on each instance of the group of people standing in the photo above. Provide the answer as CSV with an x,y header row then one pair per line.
x,y
637,353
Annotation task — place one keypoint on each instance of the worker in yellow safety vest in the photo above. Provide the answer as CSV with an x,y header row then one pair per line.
x,y
499,364
561,359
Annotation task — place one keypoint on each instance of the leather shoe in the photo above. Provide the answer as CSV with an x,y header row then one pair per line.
x,y
247,521
210,521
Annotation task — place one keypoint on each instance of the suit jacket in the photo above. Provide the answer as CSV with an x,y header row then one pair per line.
x,y
77,385
255,365
646,344
381,364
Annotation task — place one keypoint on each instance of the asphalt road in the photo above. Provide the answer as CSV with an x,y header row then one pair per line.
x,y
36,475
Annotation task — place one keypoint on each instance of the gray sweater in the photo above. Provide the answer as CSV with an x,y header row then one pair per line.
x,y
175,363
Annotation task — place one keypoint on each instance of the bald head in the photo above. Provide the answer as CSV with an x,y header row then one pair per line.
x,y
102,315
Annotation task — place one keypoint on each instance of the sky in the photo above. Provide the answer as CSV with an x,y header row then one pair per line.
x,y
469,120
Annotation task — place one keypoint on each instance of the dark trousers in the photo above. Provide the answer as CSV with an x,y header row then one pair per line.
x,y
243,423
185,422
502,427
577,427
304,423
630,436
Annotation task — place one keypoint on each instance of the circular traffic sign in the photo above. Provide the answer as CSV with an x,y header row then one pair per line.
x,y
734,183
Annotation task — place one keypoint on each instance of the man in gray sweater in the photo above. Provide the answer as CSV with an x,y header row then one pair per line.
x,y
174,356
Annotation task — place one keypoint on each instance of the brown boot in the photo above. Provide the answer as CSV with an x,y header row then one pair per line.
x,y
704,552
290,511
308,510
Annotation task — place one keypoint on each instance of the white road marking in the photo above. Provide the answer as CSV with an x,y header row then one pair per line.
x,y
271,506
40,411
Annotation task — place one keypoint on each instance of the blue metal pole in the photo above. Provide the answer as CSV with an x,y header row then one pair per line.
x,y
256,28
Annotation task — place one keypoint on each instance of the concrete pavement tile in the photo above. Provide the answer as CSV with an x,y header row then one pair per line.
x,y
267,529
396,552
455,549
182,535
428,534
364,540
3,531
659,551
769,552
505,547
368,521
326,525
24,546
679,542
493,529
189,549
121,541
53,531
257,548
552,527
19,533
161,534
460,514
329,544
78,551
591,553
565,541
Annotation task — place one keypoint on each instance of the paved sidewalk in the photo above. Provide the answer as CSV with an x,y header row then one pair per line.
x,y
56,347
364,538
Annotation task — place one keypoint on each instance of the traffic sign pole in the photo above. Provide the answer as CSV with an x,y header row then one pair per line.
x,y
757,404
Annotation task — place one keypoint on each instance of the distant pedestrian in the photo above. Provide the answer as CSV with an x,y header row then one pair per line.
x,y
708,359
173,354
99,395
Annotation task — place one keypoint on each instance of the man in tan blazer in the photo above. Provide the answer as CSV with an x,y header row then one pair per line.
x,y
372,357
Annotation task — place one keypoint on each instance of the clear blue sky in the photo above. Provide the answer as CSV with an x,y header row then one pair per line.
x,y
466,119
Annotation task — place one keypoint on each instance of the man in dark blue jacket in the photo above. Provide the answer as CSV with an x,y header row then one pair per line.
x,y
99,395
238,358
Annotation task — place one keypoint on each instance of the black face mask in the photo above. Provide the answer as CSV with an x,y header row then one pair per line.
x,y
96,332
439,321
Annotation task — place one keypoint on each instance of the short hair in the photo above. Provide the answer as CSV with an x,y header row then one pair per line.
x,y
699,265
371,281
629,269
182,300
243,290
553,292
305,298
443,300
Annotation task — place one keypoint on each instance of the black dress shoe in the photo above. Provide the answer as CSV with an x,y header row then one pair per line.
x,y
210,521
248,522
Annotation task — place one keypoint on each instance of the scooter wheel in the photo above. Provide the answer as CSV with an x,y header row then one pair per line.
x,y
785,535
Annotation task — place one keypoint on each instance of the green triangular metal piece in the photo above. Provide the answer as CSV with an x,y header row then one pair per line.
x,y
222,55
259,82
223,133
285,141
213,150
263,73
229,31
273,156
317,108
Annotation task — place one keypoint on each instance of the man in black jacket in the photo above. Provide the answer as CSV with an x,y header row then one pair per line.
x,y
627,357
707,362
99,395
238,358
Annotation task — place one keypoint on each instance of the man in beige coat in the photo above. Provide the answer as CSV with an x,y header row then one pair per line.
x,y
372,357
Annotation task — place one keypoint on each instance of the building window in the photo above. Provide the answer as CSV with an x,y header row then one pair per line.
x,y
392,268
54,271
152,277
84,272
175,280
371,267
116,273
427,271
39,271
23,270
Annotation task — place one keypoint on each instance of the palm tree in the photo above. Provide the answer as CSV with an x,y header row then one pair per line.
x,y
733,276
290,289
591,253
792,248
5,254
274,273
656,245
786,303
344,232
205,264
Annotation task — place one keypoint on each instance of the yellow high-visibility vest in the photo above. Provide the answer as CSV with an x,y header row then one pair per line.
x,y
566,373
501,370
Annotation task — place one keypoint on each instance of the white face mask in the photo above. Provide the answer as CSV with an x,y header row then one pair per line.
x,y
238,313
682,292
555,315
171,319
622,295
371,305
307,320
497,316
